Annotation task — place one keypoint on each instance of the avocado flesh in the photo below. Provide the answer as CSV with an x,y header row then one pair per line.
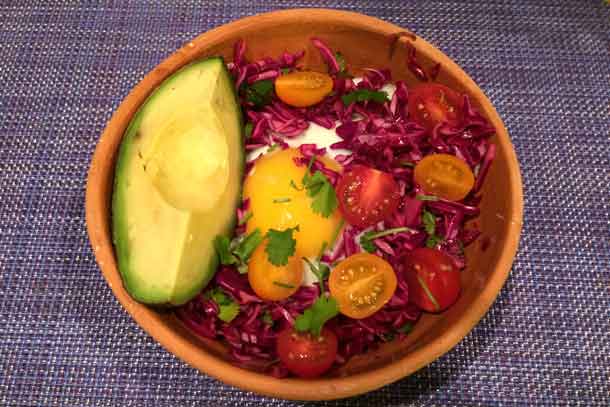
x,y
177,184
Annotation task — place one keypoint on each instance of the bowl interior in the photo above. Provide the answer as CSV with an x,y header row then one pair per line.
x,y
365,42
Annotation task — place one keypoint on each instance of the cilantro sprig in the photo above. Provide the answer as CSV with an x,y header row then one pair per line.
x,y
259,93
429,221
248,130
421,197
367,239
313,318
227,308
237,252
280,245
362,95
318,187
324,307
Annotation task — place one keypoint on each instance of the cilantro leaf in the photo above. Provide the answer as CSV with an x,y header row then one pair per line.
x,y
325,201
321,190
283,285
320,270
248,244
426,197
248,129
429,221
314,317
433,241
267,318
228,312
280,245
362,95
314,183
237,251
341,61
222,245
367,243
406,328
227,308
259,93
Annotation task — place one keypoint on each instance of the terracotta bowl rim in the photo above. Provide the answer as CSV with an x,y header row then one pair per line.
x,y
298,389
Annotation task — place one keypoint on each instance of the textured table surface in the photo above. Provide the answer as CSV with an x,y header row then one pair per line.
x,y
65,340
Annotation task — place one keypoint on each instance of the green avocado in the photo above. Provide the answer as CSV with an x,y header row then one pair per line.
x,y
178,184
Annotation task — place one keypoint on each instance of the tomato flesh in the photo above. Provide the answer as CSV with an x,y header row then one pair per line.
x,y
362,284
305,355
432,103
272,282
433,279
367,196
303,88
444,175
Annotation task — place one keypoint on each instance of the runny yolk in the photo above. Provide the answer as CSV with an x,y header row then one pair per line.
x,y
275,204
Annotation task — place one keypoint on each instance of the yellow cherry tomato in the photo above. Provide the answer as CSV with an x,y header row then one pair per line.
x,y
303,88
444,175
272,282
362,284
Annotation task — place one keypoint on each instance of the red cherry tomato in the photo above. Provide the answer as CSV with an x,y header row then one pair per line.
x,y
306,355
432,103
433,279
367,196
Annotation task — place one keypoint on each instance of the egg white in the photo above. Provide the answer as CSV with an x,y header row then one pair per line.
x,y
322,138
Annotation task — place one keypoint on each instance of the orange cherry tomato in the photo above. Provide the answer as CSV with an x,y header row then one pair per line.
x,y
362,284
444,175
432,103
272,282
303,88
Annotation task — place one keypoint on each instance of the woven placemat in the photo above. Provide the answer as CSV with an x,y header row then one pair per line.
x,y
65,340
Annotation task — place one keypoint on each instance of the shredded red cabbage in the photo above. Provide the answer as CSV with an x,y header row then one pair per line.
x,y
379,135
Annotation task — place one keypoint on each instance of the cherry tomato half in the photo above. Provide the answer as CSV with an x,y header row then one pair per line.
x,y
444,175
303,88
367,196
434,281
272,282
362,284
432,103
306,355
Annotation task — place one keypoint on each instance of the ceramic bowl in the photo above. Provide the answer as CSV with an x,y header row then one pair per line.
x,y
364,41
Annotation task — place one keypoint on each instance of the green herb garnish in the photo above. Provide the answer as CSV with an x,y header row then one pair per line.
x,y
248,129
429,221
280,245
259,93
237,251
227,308
362,95
426,197
367,239
313,318
324,199
283,285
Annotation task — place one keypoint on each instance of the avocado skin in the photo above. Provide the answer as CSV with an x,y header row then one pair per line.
x,y
160,300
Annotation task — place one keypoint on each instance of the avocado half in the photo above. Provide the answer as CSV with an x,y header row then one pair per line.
x,y
177,184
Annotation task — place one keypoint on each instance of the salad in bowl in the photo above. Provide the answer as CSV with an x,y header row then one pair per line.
x,y
299,218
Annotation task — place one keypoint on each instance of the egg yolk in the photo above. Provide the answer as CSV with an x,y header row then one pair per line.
x,y
275,204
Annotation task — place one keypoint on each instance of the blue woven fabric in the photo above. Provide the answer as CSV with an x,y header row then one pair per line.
x,y
65,340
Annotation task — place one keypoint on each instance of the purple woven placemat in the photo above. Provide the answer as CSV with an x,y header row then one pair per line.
x,y
65,340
